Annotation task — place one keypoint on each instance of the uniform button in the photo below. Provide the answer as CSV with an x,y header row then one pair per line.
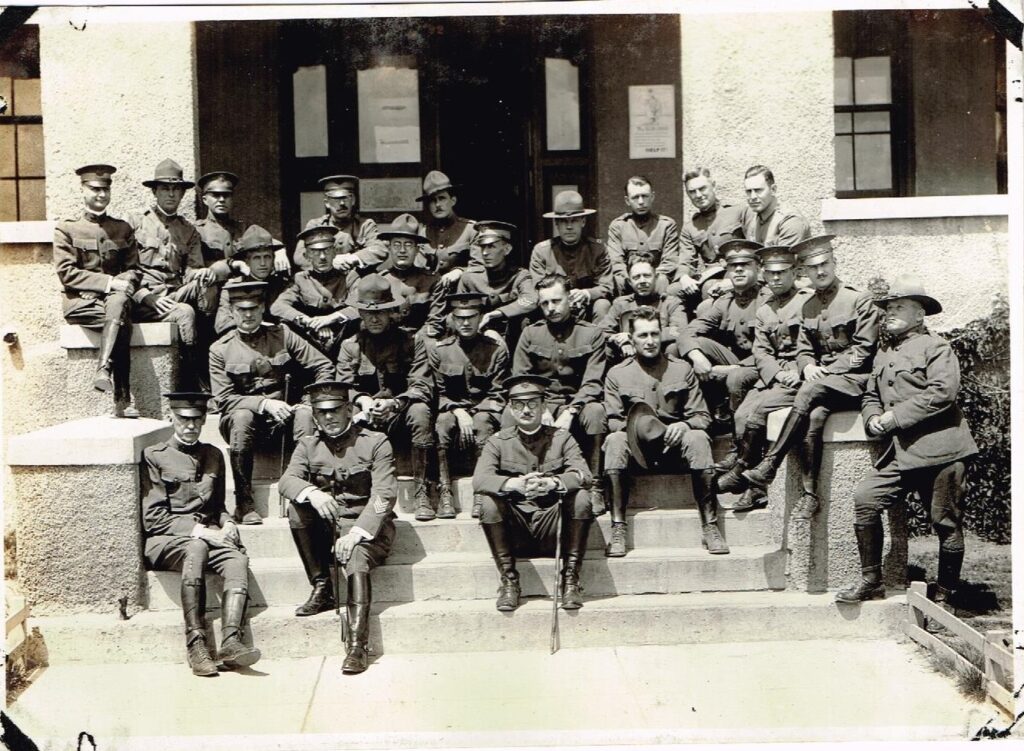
x,y
892,382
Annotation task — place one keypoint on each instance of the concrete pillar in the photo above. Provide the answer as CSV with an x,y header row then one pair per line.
x,y
78,515
122,93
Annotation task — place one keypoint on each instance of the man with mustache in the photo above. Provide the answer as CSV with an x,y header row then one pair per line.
x,y
359,248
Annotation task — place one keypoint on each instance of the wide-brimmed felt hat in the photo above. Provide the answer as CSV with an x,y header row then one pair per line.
x,y
254,238
435,182
168,172
374,293
96,175
908,286
645,435
568,204
188,403
404,226
219,181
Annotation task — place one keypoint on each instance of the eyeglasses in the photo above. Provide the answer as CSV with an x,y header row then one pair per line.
x,y
518,405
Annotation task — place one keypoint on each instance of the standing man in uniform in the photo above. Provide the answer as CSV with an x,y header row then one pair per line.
x,y
657,416
835,346
641,229
910,403
583,260
253,260
468,369
248,368
355,235
764,220
449,236
187,529
97,262
571,354
342,479
523,473
218,230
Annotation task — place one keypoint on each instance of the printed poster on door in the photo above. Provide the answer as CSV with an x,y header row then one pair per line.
x,y
389,115
652,122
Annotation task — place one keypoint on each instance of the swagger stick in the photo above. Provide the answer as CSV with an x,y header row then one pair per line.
x,y
281,502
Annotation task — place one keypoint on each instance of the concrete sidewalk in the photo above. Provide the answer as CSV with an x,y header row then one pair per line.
x,y
756,691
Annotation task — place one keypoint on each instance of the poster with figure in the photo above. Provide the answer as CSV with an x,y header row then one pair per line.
x,y
652,122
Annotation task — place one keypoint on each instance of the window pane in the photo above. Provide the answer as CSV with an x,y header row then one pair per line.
x,y
309,104
844,80
32,200
562,104
30,151
8,207
871,83
5,92
844,163
873,155
843,122
867,122
311,206
6,150
26,97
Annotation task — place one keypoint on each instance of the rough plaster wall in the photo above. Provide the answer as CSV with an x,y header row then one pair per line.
x,y
105,83
79,538
763,96
154,371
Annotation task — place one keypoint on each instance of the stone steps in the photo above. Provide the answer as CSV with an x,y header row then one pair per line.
x,y
474,625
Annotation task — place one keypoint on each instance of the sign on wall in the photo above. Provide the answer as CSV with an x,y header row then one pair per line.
x,y
652,122
390,194
389,115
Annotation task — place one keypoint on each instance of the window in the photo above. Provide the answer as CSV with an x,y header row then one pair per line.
x,y
22,183
918,109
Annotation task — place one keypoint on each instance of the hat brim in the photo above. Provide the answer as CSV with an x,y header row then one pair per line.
x,y
570,214
373,306
638,410
930,304
189,411
329,403
394,234
711,272
435,191
183,183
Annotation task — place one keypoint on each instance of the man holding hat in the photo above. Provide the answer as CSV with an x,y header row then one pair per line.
x,y
97,262
523,473
248,366
252,260
775,335
391,380
764,220
658,418
355,236
642,230
468,369
584,261
187,529
449,236
835,345
316,303
341,479
910,404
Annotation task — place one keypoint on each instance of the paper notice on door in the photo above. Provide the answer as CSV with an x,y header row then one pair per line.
x,y
397,143
389,115
652,122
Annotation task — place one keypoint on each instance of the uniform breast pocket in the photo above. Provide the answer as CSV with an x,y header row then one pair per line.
x,y
240,373
674,393
355,480
180,491
280,361
541,357
153,256
454,379
322,476
841,332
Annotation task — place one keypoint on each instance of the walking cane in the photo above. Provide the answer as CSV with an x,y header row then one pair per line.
x,y
282,508
342,615
555,640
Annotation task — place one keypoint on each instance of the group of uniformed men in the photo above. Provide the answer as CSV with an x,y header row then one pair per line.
x,y
563,379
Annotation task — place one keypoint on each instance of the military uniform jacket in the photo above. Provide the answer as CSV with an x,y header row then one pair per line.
x,y
587,265
245,369
312,294
917,379
357,236
512,453
422,294
467,374
218,238
509,290
357,468
89,252
782,227
276,284
729,320
392,365
657,235
182,486
571,354
169,250
839,330
776,330
671,314
700,237
668,385
455,233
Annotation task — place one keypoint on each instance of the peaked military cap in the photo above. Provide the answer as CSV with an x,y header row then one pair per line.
x,y
96,175
168,172
333,185
404,226
317,237
219,182
435,182
466,301
568,204
328,394
188,403
738,250
239,290
908,286
776,257
525,385
254,238
489,231
813,247
374,293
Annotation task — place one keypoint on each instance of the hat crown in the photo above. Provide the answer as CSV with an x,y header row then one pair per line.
x,y
404,224
221,180
568,202
374,290
96,172
907,285
316,236
254,238
435,181
813,246
168,169
338,182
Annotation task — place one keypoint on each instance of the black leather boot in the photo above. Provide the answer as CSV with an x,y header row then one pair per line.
x,y
575,549
314,552
869,545
241,471
359,598
597,502
193,607
501,550
445,499
104,378
122,375
233,653
619,495
424,509
750,444
707,506
811,448
793,430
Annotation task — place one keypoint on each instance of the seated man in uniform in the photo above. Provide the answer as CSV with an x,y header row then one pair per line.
x,y
523,473
359,248
252,260
250,368
468,369
910,403
583,260
764,220
643,230
343,472
97,262
187,529
392,388
655,409
218,230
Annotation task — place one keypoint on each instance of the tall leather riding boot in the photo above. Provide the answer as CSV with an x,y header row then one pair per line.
x,y
241,471
193,607
104,378
314,552
478,498
950,564
750,446
809,454
424,510
618,489
869,545
575,548
501,551
121,362
445,499
792,431
703,481
597,502
233,653
358,635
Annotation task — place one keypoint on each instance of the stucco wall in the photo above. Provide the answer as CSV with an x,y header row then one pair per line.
x,y
117,93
